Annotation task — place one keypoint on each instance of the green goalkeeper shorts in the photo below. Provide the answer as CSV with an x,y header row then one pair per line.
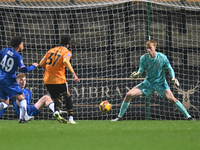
x,y
148,88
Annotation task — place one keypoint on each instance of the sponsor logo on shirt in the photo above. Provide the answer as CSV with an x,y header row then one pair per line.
x,y
69,54
22,62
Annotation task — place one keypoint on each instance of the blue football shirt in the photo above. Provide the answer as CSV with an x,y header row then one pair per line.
x,y
10,61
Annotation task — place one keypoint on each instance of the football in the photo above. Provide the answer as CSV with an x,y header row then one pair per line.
x,y
105,106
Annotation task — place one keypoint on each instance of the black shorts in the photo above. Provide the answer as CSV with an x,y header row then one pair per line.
x,y
57,90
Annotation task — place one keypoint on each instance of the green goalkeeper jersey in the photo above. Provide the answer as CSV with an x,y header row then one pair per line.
x,y
155,67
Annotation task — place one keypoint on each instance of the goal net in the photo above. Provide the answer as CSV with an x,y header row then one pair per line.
x,y
108,38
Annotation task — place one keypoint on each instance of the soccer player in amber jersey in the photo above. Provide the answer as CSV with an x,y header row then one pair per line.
x,y
155,64
54,63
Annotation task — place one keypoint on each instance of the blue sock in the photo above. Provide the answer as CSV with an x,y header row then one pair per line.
x,y
181,108
123,108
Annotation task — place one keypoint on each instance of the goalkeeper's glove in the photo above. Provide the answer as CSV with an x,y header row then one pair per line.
x,y
135,75
175,81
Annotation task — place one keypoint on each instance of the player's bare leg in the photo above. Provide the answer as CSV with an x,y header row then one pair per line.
x,y
134,92
45,101
169,95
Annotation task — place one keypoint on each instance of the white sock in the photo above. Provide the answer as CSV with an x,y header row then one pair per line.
x,y
57,112
70,118
22,109
51,106
26,114
3,105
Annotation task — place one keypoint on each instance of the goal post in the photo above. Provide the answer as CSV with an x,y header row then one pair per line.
x,y
108,39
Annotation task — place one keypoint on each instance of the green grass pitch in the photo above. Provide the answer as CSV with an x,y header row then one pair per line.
x,y
100,135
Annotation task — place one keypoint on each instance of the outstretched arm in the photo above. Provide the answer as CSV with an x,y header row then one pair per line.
x,y
141,68
23,68
171,72
27,69
170,69
140,71
69,66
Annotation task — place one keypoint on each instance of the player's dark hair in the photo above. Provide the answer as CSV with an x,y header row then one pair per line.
x,y
65,40
16,41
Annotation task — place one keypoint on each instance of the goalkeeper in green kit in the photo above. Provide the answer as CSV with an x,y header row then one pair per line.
x,y
155,64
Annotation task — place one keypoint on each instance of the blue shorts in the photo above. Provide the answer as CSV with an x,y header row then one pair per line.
x,y
9,90
148,88
32,111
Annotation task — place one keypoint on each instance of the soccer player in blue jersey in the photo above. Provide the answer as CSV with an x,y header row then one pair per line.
x,y
35,109
155,64
10,61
